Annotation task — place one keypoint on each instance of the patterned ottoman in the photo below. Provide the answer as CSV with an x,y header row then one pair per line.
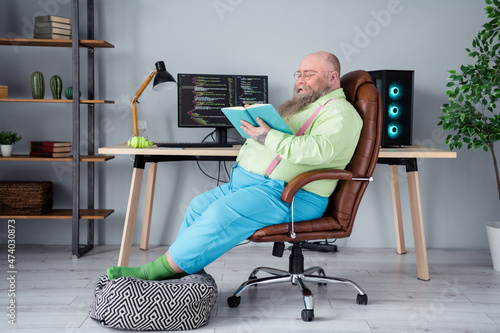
x,y
130,303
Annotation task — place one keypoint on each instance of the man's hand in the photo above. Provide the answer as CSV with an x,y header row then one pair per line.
x,y
259,134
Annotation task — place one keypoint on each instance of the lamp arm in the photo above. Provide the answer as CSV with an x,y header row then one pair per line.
x,y
136,97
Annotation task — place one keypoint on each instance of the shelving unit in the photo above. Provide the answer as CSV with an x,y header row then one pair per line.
x,y
76,213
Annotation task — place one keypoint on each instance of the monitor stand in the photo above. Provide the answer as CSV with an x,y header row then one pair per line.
x,y
221,137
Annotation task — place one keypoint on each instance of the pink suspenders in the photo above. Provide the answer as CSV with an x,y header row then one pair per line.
x,y
301,131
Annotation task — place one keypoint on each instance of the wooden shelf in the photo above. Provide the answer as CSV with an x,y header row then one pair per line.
x,y
65,214
83,158
95,158
54,42
67,101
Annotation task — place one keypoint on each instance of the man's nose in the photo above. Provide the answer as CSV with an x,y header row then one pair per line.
x,y
300,80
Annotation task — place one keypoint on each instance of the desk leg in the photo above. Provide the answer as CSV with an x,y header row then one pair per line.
x,y
396,205
128,228
148,210
418,226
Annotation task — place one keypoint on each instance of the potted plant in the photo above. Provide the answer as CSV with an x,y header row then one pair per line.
x,y
472,112
7,139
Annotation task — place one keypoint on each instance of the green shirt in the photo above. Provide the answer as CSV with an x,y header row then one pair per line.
x,y
328,143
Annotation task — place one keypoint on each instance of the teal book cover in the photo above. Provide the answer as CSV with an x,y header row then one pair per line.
x,y
266,112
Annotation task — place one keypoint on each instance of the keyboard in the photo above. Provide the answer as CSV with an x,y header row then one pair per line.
x,y
193,144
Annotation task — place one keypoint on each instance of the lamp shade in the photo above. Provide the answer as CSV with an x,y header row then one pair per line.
x,y
163,80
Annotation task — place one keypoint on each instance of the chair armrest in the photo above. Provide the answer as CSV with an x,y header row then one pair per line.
x,y
305,178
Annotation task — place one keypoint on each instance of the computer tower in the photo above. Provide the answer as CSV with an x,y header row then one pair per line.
x,y
396,88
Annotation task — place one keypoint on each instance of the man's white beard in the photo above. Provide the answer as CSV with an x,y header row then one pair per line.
x,y
300,100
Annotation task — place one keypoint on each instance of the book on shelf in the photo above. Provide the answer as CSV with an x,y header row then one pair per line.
x,y
53,25
45,31
50,144
4,92
265,111
51,36
48,154
52,18
64,149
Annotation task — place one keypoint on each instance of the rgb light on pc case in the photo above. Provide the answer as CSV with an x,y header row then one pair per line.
x,y
394,130
396,89
395,110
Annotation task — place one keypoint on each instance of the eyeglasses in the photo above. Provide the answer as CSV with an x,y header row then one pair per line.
x,y
306,75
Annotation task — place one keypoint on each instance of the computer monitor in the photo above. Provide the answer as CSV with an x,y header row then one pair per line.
x,y
201,97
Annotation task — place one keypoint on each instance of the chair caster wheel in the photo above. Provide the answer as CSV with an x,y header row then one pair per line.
x,y
362,299
307,315
233,301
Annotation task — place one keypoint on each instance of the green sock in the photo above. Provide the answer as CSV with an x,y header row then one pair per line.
x,y
156,270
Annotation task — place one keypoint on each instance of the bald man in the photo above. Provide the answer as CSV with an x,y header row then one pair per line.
x,y
327,130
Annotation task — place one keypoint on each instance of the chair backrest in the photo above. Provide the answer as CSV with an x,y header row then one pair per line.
x,y
361,92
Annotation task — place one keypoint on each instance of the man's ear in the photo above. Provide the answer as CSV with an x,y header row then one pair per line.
x,y
334,79
334,76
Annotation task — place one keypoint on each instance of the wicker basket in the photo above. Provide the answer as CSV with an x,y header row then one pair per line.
x,y
25,197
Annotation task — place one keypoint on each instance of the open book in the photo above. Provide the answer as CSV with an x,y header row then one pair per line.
x,y
265,111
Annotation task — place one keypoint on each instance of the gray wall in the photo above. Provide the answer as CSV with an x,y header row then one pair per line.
x,y
249,37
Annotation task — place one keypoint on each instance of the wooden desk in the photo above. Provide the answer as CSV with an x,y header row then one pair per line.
x,y
392,156
407,156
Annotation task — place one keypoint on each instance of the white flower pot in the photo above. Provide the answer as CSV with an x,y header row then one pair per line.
x,y
493,231
6,150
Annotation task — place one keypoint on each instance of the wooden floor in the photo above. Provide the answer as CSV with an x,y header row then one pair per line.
x,y
53,291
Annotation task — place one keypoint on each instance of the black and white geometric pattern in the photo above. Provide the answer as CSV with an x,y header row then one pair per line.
x,y
135,304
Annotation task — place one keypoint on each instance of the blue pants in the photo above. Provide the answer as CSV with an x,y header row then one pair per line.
x,y
219,219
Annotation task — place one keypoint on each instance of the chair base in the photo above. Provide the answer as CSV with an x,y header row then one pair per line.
x,y
297,276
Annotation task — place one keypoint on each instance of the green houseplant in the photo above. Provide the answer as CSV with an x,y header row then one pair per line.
x,y
472,112
7,139
473,92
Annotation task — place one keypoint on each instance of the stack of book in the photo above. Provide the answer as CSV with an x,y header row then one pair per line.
x,y
50,148
52,27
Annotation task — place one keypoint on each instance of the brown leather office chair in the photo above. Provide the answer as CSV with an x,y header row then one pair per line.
x,y
338,219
